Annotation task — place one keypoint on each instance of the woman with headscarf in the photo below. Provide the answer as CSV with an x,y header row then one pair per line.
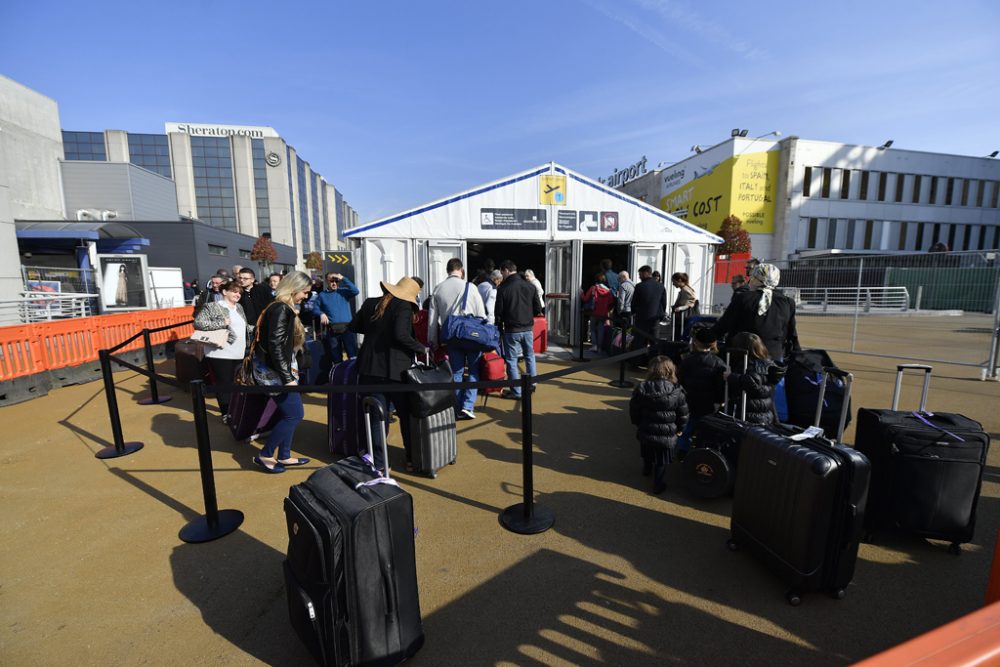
x,y
762,311
389,349
281,338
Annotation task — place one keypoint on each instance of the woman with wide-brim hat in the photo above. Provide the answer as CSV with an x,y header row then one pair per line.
x,y
389,348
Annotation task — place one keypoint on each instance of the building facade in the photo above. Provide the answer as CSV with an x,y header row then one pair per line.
x,y
243,179
798,196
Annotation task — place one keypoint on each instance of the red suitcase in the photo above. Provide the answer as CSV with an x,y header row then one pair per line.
x,y
541,334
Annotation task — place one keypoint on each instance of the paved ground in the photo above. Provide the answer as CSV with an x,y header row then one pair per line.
x,y
93,571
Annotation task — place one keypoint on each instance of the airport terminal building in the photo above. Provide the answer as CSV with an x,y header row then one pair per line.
x,y
800,197
245,179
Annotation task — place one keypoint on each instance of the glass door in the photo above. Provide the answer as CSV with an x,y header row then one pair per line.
x,y
438,254
646,254
559,298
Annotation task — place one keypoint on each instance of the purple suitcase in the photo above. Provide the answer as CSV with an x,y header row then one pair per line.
x,y
344,412
251,414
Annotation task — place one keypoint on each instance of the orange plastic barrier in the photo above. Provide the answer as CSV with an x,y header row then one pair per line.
x,y
970,641
34,348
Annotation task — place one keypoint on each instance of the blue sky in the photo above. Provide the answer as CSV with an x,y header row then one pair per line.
x,y
399,103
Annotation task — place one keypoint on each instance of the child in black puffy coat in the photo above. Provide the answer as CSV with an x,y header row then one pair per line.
x,y
701,373
658,409
757,380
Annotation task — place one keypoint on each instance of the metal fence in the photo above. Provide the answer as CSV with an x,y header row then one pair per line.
x,y
937,307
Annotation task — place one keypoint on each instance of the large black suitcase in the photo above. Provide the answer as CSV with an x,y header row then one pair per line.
x,y
799,507
927,468
350,573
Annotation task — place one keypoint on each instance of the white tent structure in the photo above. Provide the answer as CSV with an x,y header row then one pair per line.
x,y
562,217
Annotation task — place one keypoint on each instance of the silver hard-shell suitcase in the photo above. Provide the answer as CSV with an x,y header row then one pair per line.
x,y
435,440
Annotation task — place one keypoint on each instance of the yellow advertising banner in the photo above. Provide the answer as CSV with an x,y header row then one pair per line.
x,y
743,185
552,190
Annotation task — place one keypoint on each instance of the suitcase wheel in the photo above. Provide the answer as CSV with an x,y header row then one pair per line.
x,y
793,598
452,462
955,548
434,474
731,545
838,594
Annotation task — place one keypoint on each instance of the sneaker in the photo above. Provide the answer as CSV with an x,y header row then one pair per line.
x,y
466,415
507,393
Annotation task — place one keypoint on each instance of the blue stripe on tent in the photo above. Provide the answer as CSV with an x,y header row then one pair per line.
x,y
431,207
630,200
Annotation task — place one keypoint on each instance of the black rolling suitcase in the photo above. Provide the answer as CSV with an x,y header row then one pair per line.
x,y
351,573
799,506
802,379
709,468
927,468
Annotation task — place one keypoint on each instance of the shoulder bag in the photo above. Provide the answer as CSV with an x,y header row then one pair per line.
x,y
253,372
430,402
469,332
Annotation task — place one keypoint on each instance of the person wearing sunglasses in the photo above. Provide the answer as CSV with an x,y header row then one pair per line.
x,y
335,314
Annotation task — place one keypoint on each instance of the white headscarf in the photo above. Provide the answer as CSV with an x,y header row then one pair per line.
x,y
768,275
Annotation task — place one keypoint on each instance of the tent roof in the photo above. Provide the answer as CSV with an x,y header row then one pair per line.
x,y
659,222
91,231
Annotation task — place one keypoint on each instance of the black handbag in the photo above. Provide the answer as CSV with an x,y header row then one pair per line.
x,y
430,402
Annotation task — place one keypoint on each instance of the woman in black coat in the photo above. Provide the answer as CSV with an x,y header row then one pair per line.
x,y
659,410
762,311
389,349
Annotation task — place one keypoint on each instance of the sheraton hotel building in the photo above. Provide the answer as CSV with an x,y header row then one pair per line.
x,y
243,179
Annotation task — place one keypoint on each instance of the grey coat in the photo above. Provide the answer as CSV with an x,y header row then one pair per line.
x,y
212,317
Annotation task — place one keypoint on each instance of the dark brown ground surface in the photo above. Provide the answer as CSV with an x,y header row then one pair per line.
x,y
93,571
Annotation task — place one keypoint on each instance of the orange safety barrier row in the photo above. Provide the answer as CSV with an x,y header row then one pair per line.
x,y
971,641
35,348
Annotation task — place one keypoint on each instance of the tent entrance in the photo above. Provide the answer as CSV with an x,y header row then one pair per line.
x,y
525,255
594,253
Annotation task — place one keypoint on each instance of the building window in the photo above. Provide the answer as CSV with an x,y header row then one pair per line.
x,y
212,161
968,238
260,187
84,146
217,249
996,237
996,192
965,192
951,236
849,242
918,244
949,192
244,254
863,194
935,233
826,183
933,196
807,181
900,182
845,184
916,189
902,236
831,233
304,236
982,238
291,196
980,191
869,233
315,211
882,180
813,225
150,151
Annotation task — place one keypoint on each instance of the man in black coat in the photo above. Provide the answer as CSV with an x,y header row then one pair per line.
x,y
515,309
253,297
649,303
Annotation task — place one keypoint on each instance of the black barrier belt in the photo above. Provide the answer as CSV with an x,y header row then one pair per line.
x,y
124,343
166,379
591,364
170,326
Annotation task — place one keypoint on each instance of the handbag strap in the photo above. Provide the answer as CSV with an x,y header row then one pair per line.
x,y
465,297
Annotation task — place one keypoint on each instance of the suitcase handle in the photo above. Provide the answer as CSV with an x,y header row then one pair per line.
x,y
725,385
372,402
848,379
902,368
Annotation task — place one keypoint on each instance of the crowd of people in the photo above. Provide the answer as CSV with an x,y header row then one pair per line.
x,y
268,320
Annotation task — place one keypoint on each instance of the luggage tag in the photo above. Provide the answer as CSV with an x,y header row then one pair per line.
x,y
811,432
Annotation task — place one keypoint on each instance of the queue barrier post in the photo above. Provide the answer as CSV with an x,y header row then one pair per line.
x,y
621,382
215,523
120,448
583,335
154,394
527,518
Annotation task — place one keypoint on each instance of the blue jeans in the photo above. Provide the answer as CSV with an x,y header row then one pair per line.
x,y
465,399
290,409
522,341
597,331
338,344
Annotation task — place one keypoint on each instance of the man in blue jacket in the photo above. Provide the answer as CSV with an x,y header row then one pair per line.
x,y
335,315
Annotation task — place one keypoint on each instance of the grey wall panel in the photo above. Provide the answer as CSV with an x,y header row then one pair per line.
x,y
153,196
97,186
